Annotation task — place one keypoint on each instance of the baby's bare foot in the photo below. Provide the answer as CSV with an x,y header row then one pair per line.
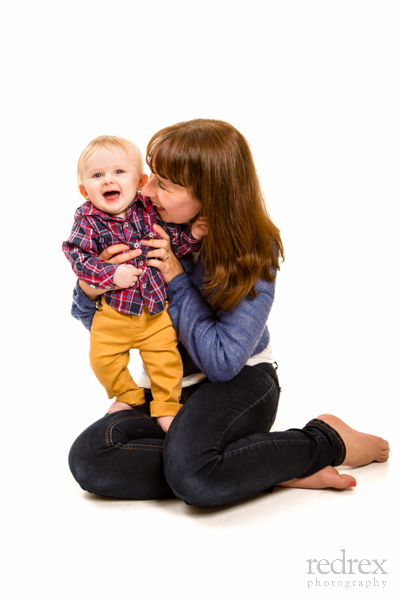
x,y
116,406
325,478
361,448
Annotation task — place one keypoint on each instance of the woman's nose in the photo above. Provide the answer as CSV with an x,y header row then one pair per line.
x,y
148,188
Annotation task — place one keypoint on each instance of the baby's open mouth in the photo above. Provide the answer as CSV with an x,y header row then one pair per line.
x,y
111,196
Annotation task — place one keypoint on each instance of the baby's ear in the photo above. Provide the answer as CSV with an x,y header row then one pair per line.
x,y
142,181
83,191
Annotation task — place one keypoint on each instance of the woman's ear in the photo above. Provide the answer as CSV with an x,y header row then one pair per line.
x,y
83,191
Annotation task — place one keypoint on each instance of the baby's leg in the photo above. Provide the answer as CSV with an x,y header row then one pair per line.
x,y
110,343
163,363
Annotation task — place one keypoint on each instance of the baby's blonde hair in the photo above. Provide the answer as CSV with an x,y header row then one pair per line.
x,y
110,142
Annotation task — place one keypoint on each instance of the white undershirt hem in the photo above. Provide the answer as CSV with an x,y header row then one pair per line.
x,y
142,379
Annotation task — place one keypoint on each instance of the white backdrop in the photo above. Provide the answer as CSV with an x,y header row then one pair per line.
x,y
314,87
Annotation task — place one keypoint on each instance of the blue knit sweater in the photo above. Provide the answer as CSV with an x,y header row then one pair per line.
x,y
218,343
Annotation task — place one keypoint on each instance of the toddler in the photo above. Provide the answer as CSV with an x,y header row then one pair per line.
x,y
110,172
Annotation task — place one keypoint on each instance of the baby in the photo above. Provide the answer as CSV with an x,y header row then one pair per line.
x,y
110,172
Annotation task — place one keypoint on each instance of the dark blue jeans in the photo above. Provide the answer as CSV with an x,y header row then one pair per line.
x,y
218,449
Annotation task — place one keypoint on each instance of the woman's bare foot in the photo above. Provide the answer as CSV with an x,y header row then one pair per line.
x,y
361,448
325,478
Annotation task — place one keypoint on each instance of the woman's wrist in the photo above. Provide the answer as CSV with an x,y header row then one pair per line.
x,y
172,270
179,283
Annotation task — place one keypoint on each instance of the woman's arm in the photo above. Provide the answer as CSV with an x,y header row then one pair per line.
x,y
220,343
83,308
90,292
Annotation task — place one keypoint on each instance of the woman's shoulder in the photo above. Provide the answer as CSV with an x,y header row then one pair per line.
x,y
265,287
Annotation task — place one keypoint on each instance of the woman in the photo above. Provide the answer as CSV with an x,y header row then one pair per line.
x,y
218,449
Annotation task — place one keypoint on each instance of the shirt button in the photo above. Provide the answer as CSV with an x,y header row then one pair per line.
x,y
136,245
126,225
140,264
151,234
144,286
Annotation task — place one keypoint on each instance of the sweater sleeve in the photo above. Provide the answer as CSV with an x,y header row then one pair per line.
x,y
83,309
220,342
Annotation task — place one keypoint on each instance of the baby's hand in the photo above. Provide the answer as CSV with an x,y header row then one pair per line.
x,y
164,422
116,406
199,228
126,276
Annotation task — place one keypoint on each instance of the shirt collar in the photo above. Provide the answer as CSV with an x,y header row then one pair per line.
x,y
88,209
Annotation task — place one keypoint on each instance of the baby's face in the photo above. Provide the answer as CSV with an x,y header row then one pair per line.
x,y
110,180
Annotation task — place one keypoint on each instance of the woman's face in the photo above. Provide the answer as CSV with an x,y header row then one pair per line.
x,y
173,202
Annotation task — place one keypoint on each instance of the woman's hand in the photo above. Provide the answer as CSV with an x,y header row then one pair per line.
x,y
162,256
108,256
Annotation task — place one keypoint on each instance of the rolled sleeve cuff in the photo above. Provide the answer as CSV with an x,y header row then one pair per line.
x,y
164,409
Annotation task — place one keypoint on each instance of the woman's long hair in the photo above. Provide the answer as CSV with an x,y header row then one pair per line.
x,y
214,161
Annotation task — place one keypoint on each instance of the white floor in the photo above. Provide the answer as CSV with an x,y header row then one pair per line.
x,y
63,542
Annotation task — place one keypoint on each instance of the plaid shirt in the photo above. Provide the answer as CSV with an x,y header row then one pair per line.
x,y
95,230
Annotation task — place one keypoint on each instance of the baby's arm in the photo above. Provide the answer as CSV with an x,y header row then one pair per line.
x,y
81,251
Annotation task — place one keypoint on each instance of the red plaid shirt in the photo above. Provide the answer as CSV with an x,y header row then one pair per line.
x,y
95,230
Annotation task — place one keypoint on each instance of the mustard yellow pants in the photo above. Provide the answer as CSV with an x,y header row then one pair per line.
x,y
114,334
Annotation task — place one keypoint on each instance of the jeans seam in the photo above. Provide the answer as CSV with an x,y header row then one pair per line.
x,y
109,429
138,447
267,442
243,412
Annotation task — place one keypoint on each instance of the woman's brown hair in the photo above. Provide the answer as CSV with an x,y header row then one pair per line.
x,y
214,161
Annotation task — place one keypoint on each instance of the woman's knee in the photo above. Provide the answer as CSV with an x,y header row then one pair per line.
x,y
192,473
121,455
183,479
88,454
81,463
